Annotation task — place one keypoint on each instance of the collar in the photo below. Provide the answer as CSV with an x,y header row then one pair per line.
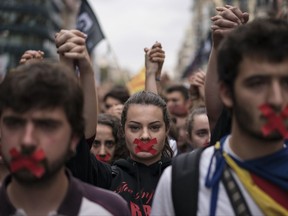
x,y
69,206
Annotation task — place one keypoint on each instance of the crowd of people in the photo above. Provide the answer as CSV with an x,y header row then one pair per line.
x,y
215,147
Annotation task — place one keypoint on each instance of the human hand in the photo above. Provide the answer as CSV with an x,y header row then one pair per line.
x,y
227,18
71,48
154,59
197,82
31,55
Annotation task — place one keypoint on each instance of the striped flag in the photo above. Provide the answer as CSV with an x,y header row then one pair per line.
x,y
137,83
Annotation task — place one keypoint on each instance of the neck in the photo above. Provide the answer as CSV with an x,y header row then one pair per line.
x,y
249,147
43,197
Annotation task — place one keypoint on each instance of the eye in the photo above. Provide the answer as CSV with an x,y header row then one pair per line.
x,y
108,106
284,82
155,128
14,122
109,144
202,133
47,125
134,128
256,82
96,144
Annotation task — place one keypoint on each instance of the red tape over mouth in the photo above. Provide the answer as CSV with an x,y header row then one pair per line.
x,y
145,146
275,122
105,159
29,162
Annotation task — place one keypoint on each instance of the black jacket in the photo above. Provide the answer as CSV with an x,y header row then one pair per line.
x,y
134,181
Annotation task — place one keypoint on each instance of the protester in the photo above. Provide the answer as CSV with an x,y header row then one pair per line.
x,y
41,122
145,123
109,143
178,104
198,127
246,172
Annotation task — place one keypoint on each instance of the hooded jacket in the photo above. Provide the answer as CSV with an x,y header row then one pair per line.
x,y
134,181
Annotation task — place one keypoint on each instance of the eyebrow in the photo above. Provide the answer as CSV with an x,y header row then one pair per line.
x,y
140,123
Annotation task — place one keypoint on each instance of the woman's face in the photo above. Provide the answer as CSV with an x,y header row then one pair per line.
x,y
200,134
145,133
104,144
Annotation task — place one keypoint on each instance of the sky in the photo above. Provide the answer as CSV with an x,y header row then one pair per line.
x,y
132,25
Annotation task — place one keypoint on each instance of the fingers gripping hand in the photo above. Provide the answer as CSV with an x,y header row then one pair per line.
x,y
71,43
227,18
30,55
154,59
197,82
71,46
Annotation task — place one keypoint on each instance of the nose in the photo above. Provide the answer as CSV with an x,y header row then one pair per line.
x,y
102,150
28,137
145,134
275,95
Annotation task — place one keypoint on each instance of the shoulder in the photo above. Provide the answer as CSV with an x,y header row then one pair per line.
x,y
162,201
102,199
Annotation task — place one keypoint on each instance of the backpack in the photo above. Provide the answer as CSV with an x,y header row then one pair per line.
x,y
185,182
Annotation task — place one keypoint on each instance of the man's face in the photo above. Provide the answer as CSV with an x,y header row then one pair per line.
x,y
145,123
104,143
46,130
259,82
175,99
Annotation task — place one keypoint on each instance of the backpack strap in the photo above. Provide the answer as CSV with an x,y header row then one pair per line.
x,y
185,182
234,193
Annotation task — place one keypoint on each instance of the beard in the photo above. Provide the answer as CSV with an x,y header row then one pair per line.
x,y
52,169
247,123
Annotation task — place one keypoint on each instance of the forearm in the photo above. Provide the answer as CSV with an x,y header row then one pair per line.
x,y
213,103
90,100
151,82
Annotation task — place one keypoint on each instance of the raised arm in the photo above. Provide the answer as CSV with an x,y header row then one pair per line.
x,y
73,52
154,59
227,18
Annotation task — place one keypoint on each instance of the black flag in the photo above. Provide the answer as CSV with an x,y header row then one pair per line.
x,y
88,23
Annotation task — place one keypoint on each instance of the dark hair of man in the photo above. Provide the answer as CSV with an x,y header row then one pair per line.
x,y
118,92
149,98
44,85
179,88
263,39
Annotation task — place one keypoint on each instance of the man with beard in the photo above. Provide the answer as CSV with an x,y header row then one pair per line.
x,y
41,123
246,172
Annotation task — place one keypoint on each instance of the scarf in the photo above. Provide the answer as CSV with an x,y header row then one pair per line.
x,y
273,168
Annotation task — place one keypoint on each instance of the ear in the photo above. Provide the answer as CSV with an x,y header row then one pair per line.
x,y
225,95
74,142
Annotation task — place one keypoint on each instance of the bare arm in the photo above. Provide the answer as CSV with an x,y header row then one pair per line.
x,y
73,52
223,23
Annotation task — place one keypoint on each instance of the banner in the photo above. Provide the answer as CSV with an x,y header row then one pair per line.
x,y
88,23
